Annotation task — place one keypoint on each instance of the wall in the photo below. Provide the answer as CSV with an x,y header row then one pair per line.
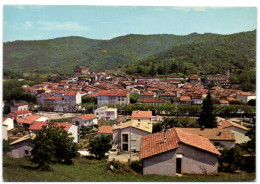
x,y
4,132
162,164
19,149
74,131
239,134
147,120
228,144
134,132
194,161
10,123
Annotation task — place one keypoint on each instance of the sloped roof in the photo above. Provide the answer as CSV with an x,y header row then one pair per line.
x,y
154,144
88,117
105,130
24,138
142,114
38,125
112,93
211,133
21,112
151,100
143,126
226,124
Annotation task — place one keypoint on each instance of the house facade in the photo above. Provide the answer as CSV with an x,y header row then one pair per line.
x,y
127,136
106,113
85,120
19,107
116,97
143,116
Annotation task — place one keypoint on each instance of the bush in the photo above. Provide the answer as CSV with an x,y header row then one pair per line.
x,y
137,166
6,146
53,145
99,146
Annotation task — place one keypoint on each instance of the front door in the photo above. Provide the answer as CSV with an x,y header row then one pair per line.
x,y
125,147
178,165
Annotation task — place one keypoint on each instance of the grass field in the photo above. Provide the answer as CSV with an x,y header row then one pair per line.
x,y
93,170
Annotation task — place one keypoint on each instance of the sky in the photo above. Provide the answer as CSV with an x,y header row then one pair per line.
x,y
28,22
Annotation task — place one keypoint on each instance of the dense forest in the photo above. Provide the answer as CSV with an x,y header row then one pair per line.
x,y
144,55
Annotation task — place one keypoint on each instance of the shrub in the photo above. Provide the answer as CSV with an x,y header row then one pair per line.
x,y
137,166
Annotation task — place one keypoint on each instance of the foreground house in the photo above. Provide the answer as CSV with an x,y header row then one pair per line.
x,y
238,131
178,152
106,113
121,135
29,120
19,114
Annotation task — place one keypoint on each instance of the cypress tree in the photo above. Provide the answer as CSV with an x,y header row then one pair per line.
x,y
207,117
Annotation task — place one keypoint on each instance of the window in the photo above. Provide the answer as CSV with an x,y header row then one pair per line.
x,y
133,147
133,138
26,152
125,137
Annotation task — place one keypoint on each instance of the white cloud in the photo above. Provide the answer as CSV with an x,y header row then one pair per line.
x,y
51,26
63,26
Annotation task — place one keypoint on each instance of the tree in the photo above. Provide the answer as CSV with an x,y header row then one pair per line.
x,y
252,102
6,146
230,159
53,145
133,98
207,117
99,146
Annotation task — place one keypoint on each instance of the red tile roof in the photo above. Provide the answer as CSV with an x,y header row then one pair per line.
x,y
142,114
112,93
21,112
88,117
53,98
4,119
151,100
154,144
105,130
226,124
70,93
184,98
38,125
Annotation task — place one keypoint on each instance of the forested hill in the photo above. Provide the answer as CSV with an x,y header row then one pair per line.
x,y
61,55
213,54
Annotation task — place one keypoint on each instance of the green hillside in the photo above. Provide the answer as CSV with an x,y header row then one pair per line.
x,y
61,55
213,54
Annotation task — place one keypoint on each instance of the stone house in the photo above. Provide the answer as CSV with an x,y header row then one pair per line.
x,y
238,131
127,136
85,120
106,113
178,152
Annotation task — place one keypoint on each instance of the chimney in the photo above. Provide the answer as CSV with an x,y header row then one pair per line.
x,y
164,139
120,123
30,133
202,128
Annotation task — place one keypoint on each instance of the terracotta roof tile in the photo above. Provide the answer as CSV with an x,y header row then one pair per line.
x,y
154,144
38,125
88,117
226,124
142,114
105,130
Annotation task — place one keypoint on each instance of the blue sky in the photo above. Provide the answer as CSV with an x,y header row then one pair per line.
x,y
106,22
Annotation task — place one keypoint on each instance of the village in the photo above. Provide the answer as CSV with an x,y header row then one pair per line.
x,y
132,112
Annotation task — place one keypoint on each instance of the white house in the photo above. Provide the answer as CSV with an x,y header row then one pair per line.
x,y
106,113
85,120
69,127
9,122
245,96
